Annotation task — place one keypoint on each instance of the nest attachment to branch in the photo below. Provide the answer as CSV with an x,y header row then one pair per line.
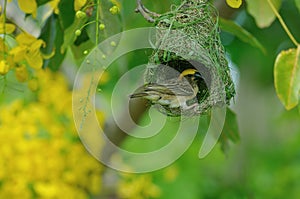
x,y
188,37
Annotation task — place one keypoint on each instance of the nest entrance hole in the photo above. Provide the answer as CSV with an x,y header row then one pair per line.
x,y
204,84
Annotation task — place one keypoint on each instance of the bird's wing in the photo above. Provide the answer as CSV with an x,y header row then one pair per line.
x,y
179,89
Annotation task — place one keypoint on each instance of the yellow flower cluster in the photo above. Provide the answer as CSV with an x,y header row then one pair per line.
x,y
22,50
78,4
30,6
26,52
28,49
137,187
41,155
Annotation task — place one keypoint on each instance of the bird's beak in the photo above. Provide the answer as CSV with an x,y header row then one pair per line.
x,y
198,75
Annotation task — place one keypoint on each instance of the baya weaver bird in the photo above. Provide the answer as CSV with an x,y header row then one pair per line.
x,y
174,92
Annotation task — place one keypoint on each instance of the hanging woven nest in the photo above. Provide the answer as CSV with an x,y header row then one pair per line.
x,y
188,37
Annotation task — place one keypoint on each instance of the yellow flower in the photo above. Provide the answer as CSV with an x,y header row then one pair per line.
x,y
95,184
4,67
42,153
78,4
34,56
25,39
54,5
28,6
138,186
9,28
33,85
18,53
21,73
3,46
6,28
46,190
28,49
171,173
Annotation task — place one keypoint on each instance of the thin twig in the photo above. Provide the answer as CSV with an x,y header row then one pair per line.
x,y
283,23
150,12
147,14
97,22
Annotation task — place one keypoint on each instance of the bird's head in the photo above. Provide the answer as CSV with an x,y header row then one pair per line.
x,y
191,74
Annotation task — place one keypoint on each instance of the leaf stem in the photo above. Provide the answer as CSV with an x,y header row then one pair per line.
x,y
4,27
86,24
97,22
283,23
4,38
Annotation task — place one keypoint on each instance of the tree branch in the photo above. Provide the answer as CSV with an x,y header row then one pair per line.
x,y
137,108
147,14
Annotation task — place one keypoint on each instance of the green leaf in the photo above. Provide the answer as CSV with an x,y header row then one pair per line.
x,y
78,51
52,34
297,2
262,12
230,130
48,34
66,13
287,77
41,2
241,33
56,61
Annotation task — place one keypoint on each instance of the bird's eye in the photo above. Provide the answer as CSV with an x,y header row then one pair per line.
x,y
198,75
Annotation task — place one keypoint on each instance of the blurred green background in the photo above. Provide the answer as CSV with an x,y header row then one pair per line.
x,y
265,163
